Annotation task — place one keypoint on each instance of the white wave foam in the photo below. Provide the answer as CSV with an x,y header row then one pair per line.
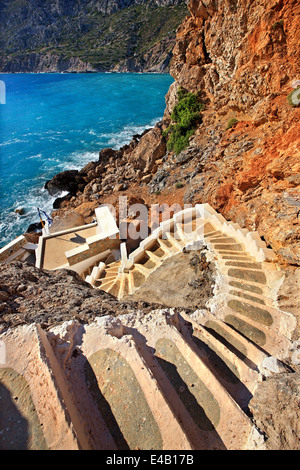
x,y
13,224
34,157
77,160
117,140
12,141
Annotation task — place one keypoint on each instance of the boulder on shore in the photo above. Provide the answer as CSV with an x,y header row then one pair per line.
x,y
68,180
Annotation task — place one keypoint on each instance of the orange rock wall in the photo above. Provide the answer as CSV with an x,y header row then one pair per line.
x,y
243,57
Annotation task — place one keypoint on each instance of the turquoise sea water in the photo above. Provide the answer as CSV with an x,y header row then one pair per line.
x,y
55,122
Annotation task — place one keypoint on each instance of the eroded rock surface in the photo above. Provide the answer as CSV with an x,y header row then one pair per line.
x,y
186,280
278,418
28,295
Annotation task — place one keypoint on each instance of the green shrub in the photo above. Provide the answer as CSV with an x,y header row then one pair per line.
x,y
179,138
178,185
185,116
294,98
231,123
277,24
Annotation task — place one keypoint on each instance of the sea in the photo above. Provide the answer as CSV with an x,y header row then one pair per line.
x,y
55,122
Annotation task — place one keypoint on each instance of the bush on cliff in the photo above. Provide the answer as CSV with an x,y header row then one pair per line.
x,y
232,122
185,116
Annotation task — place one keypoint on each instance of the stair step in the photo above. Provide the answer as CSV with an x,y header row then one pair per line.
x,y
109,277
156,259
246,296
230,247
123,390
208,413
233,340
238,378
17,255
106,285
138,277
175,242
142,269
114,264
31,247
114,289
247,286
40,417
212,233
111,270
168,246
147,261
124,286
247,275
244,264
108,274
237,257
265,337
158,250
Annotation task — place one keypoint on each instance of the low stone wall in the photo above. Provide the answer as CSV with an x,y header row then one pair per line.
x,y
89,250
251,240
39,254
12,248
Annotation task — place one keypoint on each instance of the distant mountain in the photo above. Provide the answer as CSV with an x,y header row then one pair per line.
x,y
88,35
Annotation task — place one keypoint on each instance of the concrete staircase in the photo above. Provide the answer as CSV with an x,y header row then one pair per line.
x,y
166,380
160,381
247,273
199,224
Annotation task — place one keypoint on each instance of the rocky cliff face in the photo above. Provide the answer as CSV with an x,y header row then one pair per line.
x,y
28,295
87,36
242,57
41,63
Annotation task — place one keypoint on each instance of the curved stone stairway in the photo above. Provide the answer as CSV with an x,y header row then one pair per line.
x,y
166,380
248,275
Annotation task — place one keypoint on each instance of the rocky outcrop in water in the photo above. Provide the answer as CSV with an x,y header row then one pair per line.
x,y
114,172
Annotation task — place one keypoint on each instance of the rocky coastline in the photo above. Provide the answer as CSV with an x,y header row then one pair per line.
x,y
249,172
241,58
155,62
243,63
